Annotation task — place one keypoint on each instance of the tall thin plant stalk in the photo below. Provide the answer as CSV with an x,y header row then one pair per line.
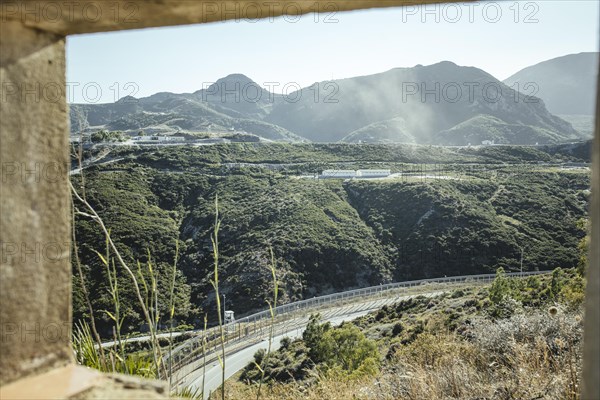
x,y
92,214
86,294
172,311
215,283
272,310
151,299
204,353
150,308
114,292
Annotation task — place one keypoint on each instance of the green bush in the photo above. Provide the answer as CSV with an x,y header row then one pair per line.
x,y
347,348
285,342
557,283
397,329
290,363
533,282
106,136
500,288
313,337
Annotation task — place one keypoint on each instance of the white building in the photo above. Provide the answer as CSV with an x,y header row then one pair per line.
x,y
158,139
338,173
487,142
373,173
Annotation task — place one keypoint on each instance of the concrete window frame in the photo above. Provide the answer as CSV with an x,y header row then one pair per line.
x,y
35,269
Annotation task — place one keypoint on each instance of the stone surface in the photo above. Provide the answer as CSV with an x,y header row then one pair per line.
x,y
60,383
126,388
75,382
35,271
85,16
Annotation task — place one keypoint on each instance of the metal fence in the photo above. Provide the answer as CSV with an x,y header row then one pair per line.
x,y
203,349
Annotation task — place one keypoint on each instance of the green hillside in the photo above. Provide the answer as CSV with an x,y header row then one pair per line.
x,y
469,215
390,131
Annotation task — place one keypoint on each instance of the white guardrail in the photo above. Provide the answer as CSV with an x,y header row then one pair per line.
x,y
192,355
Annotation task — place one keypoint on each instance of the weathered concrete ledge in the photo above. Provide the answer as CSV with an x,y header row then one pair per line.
x,y
75,382
68,17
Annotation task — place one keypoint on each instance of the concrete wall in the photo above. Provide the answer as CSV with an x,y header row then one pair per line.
x,y
68,17
35,290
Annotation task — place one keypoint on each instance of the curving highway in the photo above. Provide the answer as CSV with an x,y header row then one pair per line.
x,y
238,360
246,336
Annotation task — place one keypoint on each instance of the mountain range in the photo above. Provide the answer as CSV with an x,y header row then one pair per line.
x,y
567,84
441,104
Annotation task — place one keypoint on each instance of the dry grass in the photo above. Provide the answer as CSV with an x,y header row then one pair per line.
x,y
528,356
330,388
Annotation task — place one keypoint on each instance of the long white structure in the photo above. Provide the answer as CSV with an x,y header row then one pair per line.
x,y
338,173
373,173
350,173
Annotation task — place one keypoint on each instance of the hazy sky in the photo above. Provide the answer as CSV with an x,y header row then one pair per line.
x,y
499,37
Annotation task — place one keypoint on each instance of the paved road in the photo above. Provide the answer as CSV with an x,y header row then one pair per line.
x,y
238,360
292,318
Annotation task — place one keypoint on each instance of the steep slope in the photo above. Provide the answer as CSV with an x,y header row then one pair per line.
x,y
566,84
390,131
429,99
464,227
583,123
485,127
239,96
